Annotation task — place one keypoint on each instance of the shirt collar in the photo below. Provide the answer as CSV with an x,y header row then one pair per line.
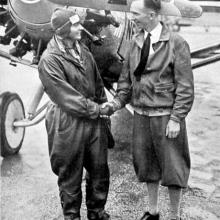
x,y
164,35
155,33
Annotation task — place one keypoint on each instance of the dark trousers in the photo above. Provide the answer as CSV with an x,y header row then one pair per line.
x,y
75,143
157,157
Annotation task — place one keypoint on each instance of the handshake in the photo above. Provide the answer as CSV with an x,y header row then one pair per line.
x,y
108,108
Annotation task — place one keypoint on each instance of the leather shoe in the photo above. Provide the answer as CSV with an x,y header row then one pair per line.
x,y
98,216
71,218
148,216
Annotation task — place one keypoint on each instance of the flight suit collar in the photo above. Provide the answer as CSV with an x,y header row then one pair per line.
x,y
74,52
58,49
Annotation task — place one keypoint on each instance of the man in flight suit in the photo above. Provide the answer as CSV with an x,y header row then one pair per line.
x,y
157,80
77,135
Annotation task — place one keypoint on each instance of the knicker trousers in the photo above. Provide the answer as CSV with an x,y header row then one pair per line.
x,y
157,157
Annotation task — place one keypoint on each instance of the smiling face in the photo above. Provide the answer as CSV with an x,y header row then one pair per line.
x,y
142,16
75,31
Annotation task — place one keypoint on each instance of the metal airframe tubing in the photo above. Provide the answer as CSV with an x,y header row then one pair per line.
x,y
205,50
35,101
28,123
206,61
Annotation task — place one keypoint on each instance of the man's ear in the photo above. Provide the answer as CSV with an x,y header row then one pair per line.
x,y
153,15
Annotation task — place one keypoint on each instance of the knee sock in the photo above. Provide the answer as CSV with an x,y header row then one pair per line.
x,y
153,191
175,194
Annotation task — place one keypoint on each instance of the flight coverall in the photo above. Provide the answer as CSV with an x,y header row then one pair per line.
x,y
77,136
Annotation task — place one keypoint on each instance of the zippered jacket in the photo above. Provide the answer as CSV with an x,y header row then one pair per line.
x,y
167,81
76,87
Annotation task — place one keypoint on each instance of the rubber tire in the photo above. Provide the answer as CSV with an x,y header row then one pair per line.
x,y
5,99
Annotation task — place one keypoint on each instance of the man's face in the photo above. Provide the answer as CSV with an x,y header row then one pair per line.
x,y
75,31
140,15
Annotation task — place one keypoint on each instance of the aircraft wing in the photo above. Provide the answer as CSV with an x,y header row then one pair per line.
x,y
112,5
209,5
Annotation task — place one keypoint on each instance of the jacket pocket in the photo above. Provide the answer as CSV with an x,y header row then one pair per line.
x,y
51,118
64,122
164,87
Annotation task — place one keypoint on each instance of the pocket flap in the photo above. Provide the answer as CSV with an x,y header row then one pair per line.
x,y
164,87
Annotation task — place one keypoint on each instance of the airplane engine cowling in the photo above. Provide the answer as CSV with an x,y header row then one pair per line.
x,y
27,25
32,17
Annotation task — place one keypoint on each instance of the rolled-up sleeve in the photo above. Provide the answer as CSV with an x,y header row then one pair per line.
x,y
183,76
62,93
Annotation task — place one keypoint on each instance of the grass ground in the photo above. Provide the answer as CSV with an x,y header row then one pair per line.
x,y
128,198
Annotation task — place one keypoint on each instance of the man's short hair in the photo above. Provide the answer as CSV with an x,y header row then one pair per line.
x,y
153,4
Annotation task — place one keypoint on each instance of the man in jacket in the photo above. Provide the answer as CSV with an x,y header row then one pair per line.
x,y
157,80
77,136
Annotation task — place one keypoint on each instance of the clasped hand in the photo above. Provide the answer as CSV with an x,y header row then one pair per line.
x,y
106,109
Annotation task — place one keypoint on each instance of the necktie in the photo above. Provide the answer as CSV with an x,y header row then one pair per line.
x,y
144,57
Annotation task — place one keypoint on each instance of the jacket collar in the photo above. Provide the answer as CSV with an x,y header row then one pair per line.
x,y
54,48
62,46
164,36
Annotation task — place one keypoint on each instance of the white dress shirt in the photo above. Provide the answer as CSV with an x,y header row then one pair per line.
x,y
155,36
